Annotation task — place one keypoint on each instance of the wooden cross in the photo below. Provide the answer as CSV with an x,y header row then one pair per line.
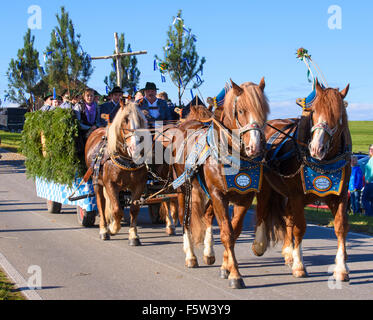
x,y
117,56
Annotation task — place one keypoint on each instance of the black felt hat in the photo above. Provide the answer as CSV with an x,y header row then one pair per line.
x,y
150,86
116,90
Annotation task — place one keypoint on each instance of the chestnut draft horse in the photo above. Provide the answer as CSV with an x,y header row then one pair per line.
x,y
245,111
283,194
116,144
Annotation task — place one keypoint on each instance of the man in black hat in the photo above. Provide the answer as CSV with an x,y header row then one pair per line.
x,y
47,106
154,109
111,107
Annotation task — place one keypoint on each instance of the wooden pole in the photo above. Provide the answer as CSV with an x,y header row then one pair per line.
x,y
118,63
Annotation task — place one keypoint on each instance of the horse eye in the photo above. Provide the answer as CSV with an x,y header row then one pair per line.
x,y
240,111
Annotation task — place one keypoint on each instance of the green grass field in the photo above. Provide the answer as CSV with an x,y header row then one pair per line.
x,y
362,135
7,290
10,140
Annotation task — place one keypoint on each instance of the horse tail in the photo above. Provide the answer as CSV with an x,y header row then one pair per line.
x,y
270,225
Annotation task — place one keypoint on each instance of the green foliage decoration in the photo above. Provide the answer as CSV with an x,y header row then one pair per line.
x,y
62,159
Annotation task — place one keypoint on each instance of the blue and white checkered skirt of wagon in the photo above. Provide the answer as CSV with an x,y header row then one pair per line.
x,y
57,195
60,192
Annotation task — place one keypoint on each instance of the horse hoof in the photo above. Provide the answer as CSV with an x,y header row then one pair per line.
x,y
257,249
209,260
104,236
170,231
236,283
224,274
134,242
191,263
300,273
341,276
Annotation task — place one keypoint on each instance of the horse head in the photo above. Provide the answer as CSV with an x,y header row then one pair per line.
x,y
245,110
329,118
122,137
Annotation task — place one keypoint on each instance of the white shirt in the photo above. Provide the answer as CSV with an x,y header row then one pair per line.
x,y
153,112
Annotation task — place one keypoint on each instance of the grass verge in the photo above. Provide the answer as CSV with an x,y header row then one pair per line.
x,y
7,289
323,217
10,141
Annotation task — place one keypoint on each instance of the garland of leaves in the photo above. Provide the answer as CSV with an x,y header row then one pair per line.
x,y
62,160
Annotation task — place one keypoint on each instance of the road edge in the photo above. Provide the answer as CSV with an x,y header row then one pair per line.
x,y
19,282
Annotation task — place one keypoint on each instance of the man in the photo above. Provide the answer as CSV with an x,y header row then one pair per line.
x,y
367,197
48,99
111,107
154,109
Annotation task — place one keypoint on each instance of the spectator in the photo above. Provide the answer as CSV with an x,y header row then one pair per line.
x,y
111,107
139,95
47,102
154,109
367,197
164,96
87,113
355,185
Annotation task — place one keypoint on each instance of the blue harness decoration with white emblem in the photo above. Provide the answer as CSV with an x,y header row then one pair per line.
x,y
325,179
247,175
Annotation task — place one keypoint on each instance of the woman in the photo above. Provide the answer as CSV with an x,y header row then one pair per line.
x,y
87,113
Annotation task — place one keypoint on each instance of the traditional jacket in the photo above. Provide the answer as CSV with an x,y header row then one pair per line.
x,y
108,108
163,109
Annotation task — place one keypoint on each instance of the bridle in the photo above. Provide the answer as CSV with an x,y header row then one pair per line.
x,y
252,126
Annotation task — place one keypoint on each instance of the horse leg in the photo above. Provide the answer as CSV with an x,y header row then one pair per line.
x,y
208,252
341,229
133,237
229,265
165,210
116,211
288,247
239,212
174,214
190,257
298,269
100,199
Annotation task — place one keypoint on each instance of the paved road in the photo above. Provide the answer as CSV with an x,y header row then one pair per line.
x,y
75,264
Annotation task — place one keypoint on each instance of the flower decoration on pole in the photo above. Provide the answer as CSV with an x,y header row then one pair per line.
x,y
303,55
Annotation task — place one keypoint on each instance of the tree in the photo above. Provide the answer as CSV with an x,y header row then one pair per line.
x,y
24,72
130,73
67,65
180,57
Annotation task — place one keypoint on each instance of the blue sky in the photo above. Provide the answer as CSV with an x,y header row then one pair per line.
x,y
240,39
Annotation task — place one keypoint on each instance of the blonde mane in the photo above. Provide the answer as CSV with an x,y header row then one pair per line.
x,y
135,116
253,98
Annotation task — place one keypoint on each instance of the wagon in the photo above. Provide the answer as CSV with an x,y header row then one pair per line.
x,y
58,194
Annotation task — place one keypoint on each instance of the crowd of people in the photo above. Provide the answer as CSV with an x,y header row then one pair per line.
x,y
88,111
361,185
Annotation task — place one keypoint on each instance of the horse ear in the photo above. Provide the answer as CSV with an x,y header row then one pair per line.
x,y
318,87
345,91
262,84
236,89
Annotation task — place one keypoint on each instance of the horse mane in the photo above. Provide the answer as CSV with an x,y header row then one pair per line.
x,y
329,103
129,110
252,97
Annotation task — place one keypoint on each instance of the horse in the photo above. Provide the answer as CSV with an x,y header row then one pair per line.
x,y
245,111
280,204
116,144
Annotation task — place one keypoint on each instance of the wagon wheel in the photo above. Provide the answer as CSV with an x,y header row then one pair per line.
x,y
53,207
153,210
85,218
